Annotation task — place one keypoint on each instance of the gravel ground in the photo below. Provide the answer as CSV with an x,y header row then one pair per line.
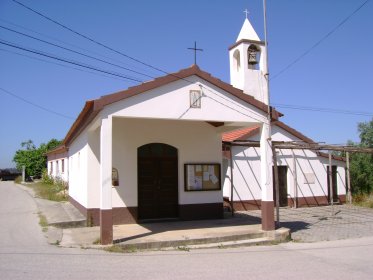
x,y
312,224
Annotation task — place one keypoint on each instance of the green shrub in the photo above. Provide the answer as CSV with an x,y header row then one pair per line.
x,y
46,179
18,180
364,200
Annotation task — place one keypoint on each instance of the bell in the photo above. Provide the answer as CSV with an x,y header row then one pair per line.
x,y
252,58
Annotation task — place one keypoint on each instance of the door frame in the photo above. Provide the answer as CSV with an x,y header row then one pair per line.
x,y
283,167
156,158
335,183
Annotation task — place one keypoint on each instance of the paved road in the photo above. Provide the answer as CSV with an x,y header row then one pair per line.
x,y
25,254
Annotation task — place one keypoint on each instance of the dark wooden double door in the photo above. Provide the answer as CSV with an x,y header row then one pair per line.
x,y
157,181
334,180
283,186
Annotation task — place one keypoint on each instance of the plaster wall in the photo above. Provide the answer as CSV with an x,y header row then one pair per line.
x,y
57,166
246,171
196,142
93,168
251,81
78,169
172,101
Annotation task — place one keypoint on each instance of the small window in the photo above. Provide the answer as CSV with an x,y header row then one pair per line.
x,y
63,166
195,98
237,60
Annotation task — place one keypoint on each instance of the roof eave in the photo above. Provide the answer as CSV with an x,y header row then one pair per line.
x,y
93,107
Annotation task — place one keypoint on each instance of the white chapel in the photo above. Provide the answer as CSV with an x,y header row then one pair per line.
x,y
155,151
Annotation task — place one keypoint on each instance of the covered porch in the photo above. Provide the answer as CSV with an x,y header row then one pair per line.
x,y
143,170
140,146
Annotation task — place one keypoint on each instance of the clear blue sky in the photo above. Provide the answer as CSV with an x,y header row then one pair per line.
x,y
336,74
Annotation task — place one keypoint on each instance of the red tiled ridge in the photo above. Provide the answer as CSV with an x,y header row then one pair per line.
x,y
240,134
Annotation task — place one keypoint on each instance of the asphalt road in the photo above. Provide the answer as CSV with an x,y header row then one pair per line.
x,y
25,254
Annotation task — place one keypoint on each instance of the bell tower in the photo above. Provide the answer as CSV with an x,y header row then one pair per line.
x,y
247,63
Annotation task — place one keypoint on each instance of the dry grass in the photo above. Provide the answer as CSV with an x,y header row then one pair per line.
x,y
47,191
363,200
119,249
43,222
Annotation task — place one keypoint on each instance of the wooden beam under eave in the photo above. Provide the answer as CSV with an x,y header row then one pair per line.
x,y
216,124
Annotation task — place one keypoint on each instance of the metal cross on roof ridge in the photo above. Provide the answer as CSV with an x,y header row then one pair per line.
x,y
246,12
195,52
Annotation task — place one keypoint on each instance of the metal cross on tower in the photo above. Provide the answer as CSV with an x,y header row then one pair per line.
x,y
246,12
195,52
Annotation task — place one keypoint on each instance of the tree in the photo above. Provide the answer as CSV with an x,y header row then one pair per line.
x,y
361,168
34,159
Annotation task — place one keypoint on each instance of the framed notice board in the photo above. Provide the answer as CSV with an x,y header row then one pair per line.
x,y
202,177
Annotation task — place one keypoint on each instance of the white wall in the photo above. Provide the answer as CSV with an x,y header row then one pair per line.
x,y
161,115
172,101
93,168
251,81
78,169
57,166
246,171
197,142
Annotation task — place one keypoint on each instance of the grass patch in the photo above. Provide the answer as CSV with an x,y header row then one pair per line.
x,y
114,249
120,249
183,248
18,180
363,200
43,222
97,241
47,191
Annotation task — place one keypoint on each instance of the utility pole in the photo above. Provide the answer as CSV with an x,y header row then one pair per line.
x,y
266,155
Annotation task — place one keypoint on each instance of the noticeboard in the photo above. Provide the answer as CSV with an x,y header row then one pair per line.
x,y
202,177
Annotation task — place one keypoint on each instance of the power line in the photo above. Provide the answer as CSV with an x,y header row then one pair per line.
x,y
69,61
90,39
70,50
116,65
165,72
318,42
325,110
66,43
59,64
34,104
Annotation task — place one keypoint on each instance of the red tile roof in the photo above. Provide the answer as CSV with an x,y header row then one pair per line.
x,y
245,133
240,134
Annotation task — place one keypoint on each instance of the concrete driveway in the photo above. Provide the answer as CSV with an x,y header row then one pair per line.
x,y
325,223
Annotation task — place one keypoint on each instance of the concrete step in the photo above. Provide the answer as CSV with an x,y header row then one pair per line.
x,y
231,240
69,224
233,244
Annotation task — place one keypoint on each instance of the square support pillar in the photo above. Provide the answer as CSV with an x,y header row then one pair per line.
x,y
266,179
106,217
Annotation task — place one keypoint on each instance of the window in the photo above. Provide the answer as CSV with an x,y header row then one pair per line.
x,y
237,60
63,166
195,98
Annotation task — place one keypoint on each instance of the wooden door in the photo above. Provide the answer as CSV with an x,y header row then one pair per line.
x,y
334,178
157,181
283,186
